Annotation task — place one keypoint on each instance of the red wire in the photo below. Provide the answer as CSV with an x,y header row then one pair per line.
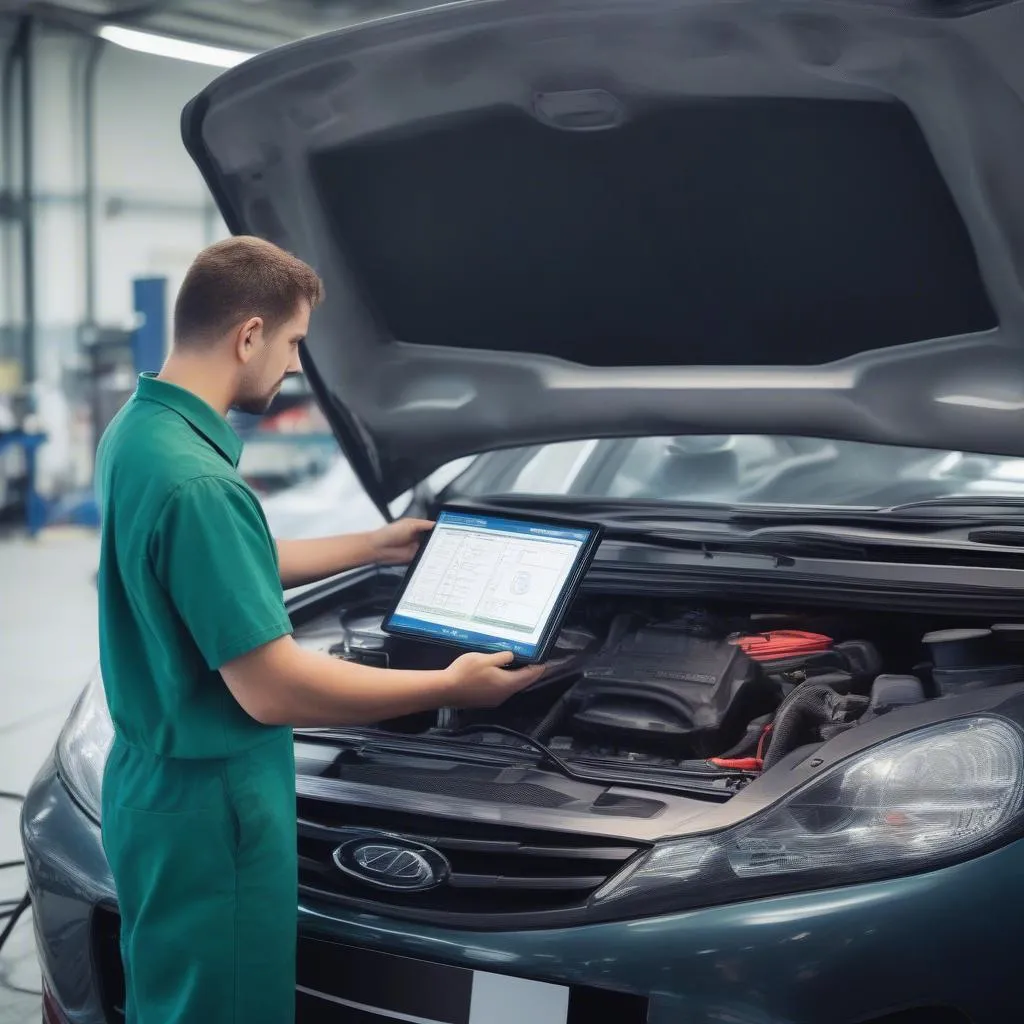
x,y
741,764
744,764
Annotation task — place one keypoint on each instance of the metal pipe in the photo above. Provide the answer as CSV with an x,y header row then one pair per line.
x,y
10,64
28,242
11,60
209,222
96,51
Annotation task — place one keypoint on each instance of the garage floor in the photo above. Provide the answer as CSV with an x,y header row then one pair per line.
x,y
47,647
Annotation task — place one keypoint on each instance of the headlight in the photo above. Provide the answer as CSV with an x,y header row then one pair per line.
x,y
937,795
83,747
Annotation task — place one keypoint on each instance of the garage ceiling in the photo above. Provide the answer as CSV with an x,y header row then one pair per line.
x,y
239,24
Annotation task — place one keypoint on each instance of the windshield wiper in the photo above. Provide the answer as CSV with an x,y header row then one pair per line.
x,y
625,511
805,532
667,523
769,540
958,503
657,514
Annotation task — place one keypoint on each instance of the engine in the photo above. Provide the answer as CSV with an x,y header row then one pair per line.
x,y
667,687
698,687
740,690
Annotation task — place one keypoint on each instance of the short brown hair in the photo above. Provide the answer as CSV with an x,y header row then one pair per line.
x,y
239,278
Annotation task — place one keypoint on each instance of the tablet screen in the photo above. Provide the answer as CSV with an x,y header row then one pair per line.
x,y
492,583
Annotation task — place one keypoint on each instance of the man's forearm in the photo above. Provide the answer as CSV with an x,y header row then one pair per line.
x,y
286,685
307,561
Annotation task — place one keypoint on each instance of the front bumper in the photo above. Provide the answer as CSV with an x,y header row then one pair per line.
x,y
948,938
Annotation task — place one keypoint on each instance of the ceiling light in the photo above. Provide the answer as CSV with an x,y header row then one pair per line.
x,y
168,46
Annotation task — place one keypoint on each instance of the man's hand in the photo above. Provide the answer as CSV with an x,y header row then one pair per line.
x,y
282,683
306,561
397,543
481,681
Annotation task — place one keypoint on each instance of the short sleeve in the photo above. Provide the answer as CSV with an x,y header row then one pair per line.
x,y
213,554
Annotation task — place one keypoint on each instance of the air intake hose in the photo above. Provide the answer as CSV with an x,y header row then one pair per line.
x,y
804,709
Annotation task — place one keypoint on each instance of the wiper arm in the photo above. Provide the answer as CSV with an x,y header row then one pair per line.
x,y
847,542
958,503
548,756
624,511
803,530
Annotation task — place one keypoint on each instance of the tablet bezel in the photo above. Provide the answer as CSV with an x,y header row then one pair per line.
x,y
584,559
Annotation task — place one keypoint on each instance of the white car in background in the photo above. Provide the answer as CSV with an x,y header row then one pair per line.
x,y
332,502
336,502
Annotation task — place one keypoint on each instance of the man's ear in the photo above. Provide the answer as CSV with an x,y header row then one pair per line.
x,y
248,338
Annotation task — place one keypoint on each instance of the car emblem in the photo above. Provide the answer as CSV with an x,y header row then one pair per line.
x,y
392,863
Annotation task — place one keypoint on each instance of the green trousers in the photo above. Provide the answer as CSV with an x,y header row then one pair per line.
x,y
203,856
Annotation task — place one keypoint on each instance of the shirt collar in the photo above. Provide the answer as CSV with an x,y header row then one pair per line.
x,y
203,418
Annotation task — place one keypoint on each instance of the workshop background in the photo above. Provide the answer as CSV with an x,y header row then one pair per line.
x,y
101,211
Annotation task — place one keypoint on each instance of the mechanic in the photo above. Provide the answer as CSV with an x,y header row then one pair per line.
x,y
202,675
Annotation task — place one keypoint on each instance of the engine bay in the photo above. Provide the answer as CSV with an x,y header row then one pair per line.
x,y
721,691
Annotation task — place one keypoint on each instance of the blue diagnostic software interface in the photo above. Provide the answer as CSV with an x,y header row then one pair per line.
x,y
489,583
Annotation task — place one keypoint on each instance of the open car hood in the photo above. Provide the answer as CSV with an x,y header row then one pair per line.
x,y
540,220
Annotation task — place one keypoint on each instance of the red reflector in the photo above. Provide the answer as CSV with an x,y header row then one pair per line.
x,y
782,643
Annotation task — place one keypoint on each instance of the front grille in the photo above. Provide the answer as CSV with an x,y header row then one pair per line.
x,y
496,870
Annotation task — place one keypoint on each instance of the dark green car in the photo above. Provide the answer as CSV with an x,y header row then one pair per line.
x,y
744,282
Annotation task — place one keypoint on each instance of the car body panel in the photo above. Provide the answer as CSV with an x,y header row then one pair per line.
x,y
943,938
401,409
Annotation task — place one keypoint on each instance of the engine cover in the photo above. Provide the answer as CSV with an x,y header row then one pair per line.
x,y
668,687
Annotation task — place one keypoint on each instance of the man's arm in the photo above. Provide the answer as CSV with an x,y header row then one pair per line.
x,y
281,683
307,561
211,550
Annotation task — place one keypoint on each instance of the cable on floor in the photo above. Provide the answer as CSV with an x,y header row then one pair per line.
x,y
11,910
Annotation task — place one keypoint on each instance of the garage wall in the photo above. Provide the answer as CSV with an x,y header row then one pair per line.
x,y
166,214
152,212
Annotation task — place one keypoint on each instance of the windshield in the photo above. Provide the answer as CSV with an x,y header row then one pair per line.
x,y
741,469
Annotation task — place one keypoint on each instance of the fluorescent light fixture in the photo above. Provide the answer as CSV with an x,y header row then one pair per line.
x,y
168,46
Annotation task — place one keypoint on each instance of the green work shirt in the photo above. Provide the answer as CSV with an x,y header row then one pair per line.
x,y
188,576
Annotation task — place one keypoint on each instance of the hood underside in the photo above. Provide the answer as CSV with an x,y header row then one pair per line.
x,y
541,220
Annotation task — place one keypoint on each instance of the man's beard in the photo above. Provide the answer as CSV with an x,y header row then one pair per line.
x,y
253,406
257,404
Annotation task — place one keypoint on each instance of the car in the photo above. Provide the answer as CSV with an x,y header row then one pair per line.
x,y
743,283
333,501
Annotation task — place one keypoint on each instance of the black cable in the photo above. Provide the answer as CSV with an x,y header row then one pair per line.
x,y
6,986
7,907
7,865
546,752
13,916
11,910
546,727
576,775
20,909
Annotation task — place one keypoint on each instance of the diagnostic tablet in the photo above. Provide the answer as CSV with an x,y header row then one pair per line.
x,y
494,582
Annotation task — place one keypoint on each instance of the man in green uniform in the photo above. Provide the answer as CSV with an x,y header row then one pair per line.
x,y
202,675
